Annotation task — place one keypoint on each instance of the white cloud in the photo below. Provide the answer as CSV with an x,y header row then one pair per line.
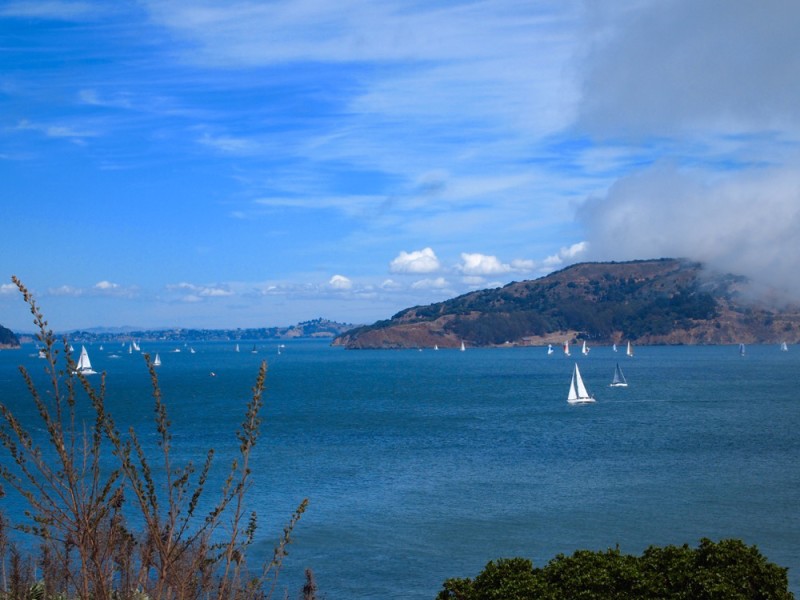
x,y
196,293
431,284
106,285
56,131
7,289
390,284
482,264
340,282
565,255
65,290
418,261
230,144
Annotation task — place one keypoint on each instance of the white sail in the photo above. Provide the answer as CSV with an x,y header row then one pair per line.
x,y
136,346
463,347
629,352
157,361
619,379
436,346
614,347
784,347
237,348
566,348
84,364
549,348
577,390
585,349
130,349
741,349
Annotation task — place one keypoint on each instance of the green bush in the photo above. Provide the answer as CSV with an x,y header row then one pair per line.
x,y
726,570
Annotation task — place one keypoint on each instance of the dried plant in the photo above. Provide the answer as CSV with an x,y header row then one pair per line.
x,y
79,508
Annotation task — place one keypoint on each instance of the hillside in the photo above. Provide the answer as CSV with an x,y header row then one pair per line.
x,y
665,301
7,338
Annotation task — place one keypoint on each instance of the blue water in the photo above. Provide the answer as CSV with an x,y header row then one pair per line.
x,y
421,466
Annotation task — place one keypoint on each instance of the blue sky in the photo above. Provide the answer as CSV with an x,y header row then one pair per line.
x,y
256,163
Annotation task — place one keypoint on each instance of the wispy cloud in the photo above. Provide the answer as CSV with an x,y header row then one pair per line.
x,y
50,9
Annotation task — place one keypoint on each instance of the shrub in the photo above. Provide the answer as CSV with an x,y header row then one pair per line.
x,y
79,509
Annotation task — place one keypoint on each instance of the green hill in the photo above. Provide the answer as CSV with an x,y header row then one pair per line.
x,y
665,301
7,338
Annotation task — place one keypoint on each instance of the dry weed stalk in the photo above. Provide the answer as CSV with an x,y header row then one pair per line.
x,y
79,508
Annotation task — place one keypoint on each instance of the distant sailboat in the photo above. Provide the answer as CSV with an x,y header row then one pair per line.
x,y
784,347
254,351
136,346
614,347
566,348
130,348
585,348
577,391
463,347
84,364
619,379
191,350
42,353
237,348
549,349
157,361
741,349
436,346
71,348
629,351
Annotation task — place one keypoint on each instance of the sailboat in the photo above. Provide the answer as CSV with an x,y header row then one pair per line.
x,y
157,361
254,351
566,348
237,348
741,349
585,349
463,347
614,347
436,346
549,349
130,349
577,391
619,379
629,351
784,347
136,346
84,364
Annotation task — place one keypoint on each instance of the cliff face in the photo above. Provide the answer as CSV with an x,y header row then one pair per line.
x,y
8,339
666,301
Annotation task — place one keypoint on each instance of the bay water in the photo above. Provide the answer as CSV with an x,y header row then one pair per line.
x,y
424,465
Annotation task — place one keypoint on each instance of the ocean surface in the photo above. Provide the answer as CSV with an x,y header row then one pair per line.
x,y
425,465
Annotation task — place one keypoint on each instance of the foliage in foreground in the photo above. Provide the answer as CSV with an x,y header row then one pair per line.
x,y
80,503
726,570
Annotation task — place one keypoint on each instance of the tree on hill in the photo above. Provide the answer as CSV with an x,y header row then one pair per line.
x,y
728,570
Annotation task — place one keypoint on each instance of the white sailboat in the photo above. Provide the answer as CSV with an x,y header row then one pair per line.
x,y
436,346
585,348
629,351
614,347
84,364
549,349
237,348
566,348
784,347
619,379
577,391
741,349
463,347
136,346
157,360
130,348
